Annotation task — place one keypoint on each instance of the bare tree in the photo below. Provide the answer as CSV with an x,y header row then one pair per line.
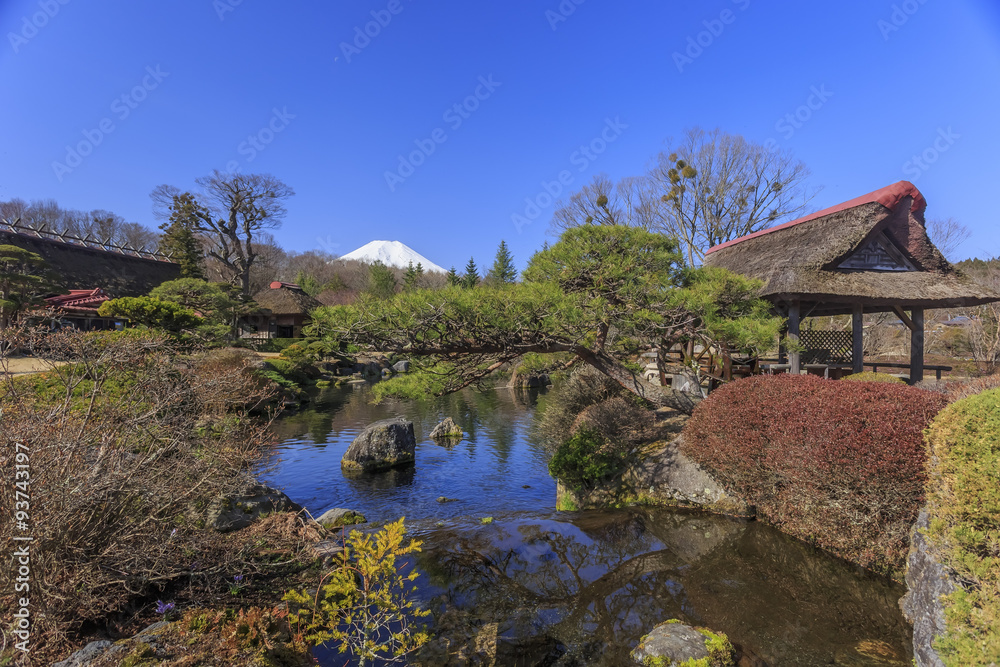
x,y
633,201
984,329
947,234
235,210
719,186
710,188
101,225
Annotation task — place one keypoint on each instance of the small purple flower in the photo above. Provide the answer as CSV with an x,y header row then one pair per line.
x,y
164,607
173,533
238,578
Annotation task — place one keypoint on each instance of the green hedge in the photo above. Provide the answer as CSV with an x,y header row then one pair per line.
x,y
964,503
586,459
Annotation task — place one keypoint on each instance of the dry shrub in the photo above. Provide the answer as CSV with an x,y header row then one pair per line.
x,y
117,462
618,420
956,391
584,388
840,464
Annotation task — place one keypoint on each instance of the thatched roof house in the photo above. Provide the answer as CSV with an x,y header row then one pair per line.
x,y
870,254
284,311
872,250
77,264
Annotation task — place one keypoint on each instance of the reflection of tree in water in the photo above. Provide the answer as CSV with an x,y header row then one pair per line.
x,y
315,420
782,595
586,585
599,584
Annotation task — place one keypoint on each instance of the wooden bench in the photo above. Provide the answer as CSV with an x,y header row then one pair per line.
x,y
886,364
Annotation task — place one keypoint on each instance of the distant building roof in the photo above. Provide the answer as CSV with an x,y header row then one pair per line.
x,y
285,299
79,300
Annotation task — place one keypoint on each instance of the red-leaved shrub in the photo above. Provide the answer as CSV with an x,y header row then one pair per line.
x,y
839,464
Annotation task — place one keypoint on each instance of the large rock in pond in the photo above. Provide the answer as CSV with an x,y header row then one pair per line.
x,y
228,513
383,445
447,429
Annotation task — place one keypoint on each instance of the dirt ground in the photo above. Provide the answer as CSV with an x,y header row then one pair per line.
x,y
24,365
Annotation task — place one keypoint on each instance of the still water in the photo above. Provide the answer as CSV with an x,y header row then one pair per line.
x,y
539,587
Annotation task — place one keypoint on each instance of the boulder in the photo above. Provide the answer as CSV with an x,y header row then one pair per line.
x,y
87,655
383,445
339,516
673,643
228,513
927,580
447,429
668,475
401,366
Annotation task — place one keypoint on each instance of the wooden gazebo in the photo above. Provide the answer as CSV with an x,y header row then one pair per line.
x,y
868,255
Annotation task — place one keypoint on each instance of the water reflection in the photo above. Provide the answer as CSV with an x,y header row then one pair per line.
x,y
593,585
536,587
497,467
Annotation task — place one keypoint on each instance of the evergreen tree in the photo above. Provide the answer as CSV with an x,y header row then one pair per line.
x,y
381,281
412,276
21,281
503,271
178,238
471,277
309,284
453,278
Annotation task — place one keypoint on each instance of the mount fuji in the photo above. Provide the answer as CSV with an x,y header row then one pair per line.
x,y
392,253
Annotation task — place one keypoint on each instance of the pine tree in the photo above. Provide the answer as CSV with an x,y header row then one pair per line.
x,y
381,281
453,278
503,271
471,277
410,277
178,238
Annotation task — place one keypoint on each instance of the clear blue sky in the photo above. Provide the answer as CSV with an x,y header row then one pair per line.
x,y
898,77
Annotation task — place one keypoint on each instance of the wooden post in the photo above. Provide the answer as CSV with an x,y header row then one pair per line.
x,y
917,346
858,338
782,356
794,356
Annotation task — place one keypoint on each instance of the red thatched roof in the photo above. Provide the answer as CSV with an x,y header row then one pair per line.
x,y
872,250
285,299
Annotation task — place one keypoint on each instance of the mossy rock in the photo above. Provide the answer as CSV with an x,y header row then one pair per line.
x,y
139,655
675,644
338,517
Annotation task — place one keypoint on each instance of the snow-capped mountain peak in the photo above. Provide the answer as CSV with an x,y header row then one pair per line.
x,y
392,253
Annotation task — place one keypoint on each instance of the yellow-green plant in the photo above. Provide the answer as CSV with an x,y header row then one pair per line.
x,y
964,503
365,603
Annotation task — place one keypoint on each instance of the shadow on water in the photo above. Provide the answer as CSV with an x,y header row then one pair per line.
x,y
537,587
582,590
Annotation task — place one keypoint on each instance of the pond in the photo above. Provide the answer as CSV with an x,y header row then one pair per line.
x,y
540,587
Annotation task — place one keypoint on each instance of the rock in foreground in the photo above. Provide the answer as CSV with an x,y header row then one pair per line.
x,y
383,445
673,643
228,513
339,516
